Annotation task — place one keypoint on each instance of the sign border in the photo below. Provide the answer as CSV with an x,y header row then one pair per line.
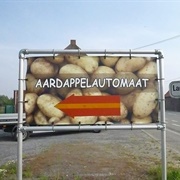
x,y
170,89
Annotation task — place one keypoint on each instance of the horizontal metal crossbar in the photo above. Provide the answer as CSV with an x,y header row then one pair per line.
x,y
93,127
79,52
10,116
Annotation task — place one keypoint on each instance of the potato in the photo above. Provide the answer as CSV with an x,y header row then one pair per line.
x,y
124,121
125,77
40,118
56,59
154,116
84,120
53,120
93,91
101,73
104,122
46,104
43,69
148,71
29,62
109,61
88,63
29,119
152,83
72,58
63,121
105,94
52,91
145,103
72,71
104,118
30,102
76,92
123,115
144,120
129,99
126,64
31,85
63,91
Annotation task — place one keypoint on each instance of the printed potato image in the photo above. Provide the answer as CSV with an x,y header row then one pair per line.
x,y
56,59
129,99
89,64
31,84
52,91
145,103
30,99
108,61
40,118
105,94
104,122
101,73
127,83
133,64
29,62
29,119
144,120
124,121
63,121
103,118
76,92
152,83
53,120
72,71
46,104
91,92
123,114
148,71
51,80
84,120
154,116
63,91
41,68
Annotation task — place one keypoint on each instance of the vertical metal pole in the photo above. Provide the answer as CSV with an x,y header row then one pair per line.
x,y
20,115
162,115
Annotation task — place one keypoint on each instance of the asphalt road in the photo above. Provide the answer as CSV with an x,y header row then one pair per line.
x,y
38,142
172,131
173,122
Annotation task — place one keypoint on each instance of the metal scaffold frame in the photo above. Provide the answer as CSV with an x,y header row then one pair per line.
x,y
24,53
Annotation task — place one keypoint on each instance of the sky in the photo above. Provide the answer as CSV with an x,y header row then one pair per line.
x,y
95,24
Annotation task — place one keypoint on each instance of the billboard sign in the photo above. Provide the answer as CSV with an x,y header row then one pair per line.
x,y
68,89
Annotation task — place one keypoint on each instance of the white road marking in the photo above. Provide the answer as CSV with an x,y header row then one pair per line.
x,y
174,120
176,125
173,132
151,136
172,114
159,140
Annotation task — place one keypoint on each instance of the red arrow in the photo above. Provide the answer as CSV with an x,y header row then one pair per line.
x,y
90,106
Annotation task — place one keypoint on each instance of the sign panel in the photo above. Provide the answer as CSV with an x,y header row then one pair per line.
x,y
68,90
174,89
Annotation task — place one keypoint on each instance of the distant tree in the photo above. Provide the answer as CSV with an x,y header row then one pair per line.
x,y
4,100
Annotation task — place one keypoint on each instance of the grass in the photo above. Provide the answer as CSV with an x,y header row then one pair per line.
x,y
155,173
8,169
